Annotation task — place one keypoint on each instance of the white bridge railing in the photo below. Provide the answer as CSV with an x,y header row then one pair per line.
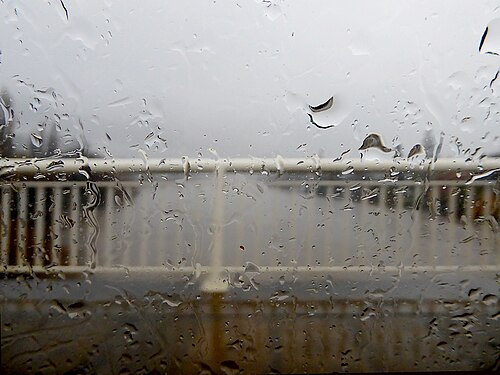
x,y
226,218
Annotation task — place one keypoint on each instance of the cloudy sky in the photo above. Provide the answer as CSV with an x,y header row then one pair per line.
x,y
235,78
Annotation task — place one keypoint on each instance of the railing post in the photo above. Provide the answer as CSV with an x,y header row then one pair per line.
x,y
75,242
215,282
22,226
5,224
57,255
40,251
107,235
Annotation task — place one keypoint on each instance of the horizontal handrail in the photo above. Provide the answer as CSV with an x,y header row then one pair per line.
x,y
9,166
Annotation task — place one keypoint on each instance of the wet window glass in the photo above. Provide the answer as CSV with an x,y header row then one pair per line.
x,y
249,186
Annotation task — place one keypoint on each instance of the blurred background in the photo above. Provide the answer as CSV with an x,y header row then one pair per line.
x,y
233,78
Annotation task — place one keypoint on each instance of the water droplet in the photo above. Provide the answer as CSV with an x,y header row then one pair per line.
x,y
229,367
118,201
279,297
481,175
368,194
348,170
66,221
84,173
474,293
416,150
186,166
442,344
312,121
55,165
172,302
374,140
65,10
355,187
251,267
490,40
260,188
490,299
36,140
323,106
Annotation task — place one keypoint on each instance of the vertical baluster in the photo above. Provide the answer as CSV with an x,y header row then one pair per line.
x,y
179,243
164,240
329,224
494,233
40,227
292,195
227,240
383,231
444,248
5,224
359,234
75,209
141,258
323,245
349,243
485,234
320,212
22,226
451,203
241,237
309,227
127,219
215,282
85,249
167,246
470,256
173,247
399,220
436,252
417,205
364,246
57,243
106,255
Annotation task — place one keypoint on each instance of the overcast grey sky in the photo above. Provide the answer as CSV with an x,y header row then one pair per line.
x,y
235,78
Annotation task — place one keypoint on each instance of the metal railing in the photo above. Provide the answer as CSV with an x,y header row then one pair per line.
x,y
220,219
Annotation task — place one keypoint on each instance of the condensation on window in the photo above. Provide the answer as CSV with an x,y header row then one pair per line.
x,y
249,186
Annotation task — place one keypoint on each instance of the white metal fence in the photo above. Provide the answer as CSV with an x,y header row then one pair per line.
x,y
228,217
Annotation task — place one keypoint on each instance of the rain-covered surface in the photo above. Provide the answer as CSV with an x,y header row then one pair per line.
x,y
283,289
249,186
